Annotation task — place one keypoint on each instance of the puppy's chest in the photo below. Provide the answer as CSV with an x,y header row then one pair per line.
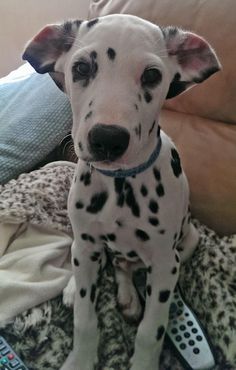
x,y
98,198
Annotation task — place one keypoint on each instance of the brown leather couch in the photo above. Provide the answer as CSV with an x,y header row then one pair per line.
x,y
202,122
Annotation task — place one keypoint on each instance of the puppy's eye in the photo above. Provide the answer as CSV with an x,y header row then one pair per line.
x,y
83,68
151,77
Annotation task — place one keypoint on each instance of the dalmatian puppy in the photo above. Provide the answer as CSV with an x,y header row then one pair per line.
x,y
129,191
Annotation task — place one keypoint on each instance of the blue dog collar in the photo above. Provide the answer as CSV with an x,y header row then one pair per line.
x,y
135,170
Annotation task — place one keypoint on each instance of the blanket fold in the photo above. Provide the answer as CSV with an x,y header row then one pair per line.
x,y
35,239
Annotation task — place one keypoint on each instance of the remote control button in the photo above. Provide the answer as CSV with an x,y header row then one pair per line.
x,y
180,303
191,342
14,364
179,312
194,330
196,351
186,314
182,327
189,323
5,352
174,331
186,334
10,356
182,346
4,361
199,338
178,338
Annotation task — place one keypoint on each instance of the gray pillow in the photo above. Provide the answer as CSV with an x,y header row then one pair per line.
x,y
34,117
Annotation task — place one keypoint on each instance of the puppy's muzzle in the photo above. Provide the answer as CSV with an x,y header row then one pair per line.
x,y
108,142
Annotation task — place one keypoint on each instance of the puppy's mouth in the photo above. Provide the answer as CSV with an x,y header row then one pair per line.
x,y
107,163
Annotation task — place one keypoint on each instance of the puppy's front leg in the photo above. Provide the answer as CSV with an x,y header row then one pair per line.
x,y
162,276
86,261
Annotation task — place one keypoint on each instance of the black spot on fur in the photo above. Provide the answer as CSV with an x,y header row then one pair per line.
x,y
125,194
90,104
160,332
158,131
153,206
177,258
103,237
157,174
153,221
149,290
95,256
92,22
164,296
119,223
142,235
68,30
162,231
111,53
130,200
83,292
97,202
79,205
119,188
111,237
147,97
88,237
76,262
149,269
136,106
86,178
93,293
138,130
176,86
175,162
132,254
174,270
93,54
160,190
81,146
88,115
152,127
144,190
139,97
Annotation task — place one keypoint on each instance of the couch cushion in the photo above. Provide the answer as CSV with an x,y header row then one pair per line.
x,y
212,19
207,150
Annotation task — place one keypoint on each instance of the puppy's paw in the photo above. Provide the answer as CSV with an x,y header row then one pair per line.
x,y
69,293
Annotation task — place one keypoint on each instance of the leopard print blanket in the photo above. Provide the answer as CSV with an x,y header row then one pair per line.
x,y
43,335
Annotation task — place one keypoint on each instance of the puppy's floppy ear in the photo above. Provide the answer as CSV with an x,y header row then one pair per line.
x,y
44,50
193,57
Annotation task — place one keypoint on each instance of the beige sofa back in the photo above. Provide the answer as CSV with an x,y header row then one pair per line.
x,y
20,20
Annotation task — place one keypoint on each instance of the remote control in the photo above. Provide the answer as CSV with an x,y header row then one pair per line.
x,y
8,358
184,331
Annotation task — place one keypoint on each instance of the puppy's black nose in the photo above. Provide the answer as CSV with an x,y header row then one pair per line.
x,y
108,142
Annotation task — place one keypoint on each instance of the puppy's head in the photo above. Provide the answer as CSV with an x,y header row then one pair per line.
x,y
117,71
